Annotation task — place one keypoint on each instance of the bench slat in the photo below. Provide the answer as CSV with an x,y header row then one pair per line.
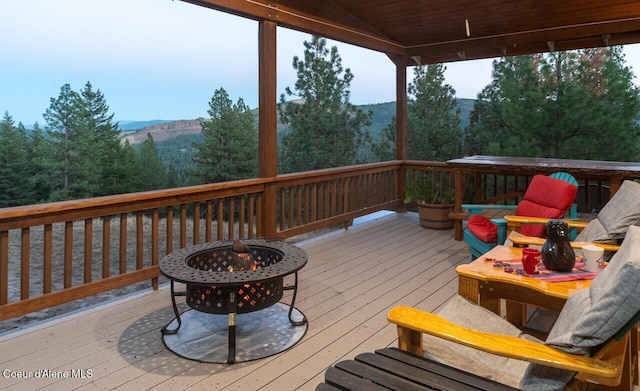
x,y
445,371
385,376
327,387
394,369
426,378
346,381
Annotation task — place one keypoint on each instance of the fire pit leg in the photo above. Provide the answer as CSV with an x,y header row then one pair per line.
x,y
293,302
231,356
165,330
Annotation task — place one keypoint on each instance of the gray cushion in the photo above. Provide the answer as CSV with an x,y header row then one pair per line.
x,y
467,314
592,316
622,210
594,232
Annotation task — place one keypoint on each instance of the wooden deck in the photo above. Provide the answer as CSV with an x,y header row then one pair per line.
x,y
352,279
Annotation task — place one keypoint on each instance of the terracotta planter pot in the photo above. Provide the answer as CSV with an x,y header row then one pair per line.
x,y
435,216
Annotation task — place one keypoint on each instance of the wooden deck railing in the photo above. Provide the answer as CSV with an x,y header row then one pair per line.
x,y
54,253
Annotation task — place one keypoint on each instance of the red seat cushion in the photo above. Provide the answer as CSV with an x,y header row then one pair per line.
x,y
545,197
482,228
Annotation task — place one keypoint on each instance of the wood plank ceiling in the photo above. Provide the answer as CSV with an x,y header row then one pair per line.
x,y
429,31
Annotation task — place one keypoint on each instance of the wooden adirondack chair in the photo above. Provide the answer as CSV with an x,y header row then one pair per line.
x,y
606,230
549,197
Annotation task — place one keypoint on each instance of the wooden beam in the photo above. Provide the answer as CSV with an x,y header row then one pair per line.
x,y
336,23
528,42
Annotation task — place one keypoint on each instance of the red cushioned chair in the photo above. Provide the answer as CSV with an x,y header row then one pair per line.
x,y
547,196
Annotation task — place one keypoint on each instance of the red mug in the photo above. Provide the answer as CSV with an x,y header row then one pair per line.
x,y
530,260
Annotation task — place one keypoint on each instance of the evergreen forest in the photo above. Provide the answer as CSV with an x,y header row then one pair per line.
x,y
578,105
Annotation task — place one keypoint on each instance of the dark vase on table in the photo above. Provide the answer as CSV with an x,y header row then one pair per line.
x,y
557,253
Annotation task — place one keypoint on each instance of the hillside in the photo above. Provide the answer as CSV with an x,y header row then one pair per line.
x,y
383,114
135,125
164,131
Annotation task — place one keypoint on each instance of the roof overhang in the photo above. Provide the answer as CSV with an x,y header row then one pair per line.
x,y
428,31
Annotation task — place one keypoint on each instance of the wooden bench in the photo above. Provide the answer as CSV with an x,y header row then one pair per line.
x,y
395,369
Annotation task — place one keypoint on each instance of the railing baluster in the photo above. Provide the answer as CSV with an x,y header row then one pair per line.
x,y
123,243
208,221
290,214
169,230
220,218
139,240
68,254
25,263
251,222
155,243
183,225
88,249
196,223
106,246
47,257
241,217
4,267
283,216
231,222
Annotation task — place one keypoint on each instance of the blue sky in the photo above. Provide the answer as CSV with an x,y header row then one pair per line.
x,y
163,59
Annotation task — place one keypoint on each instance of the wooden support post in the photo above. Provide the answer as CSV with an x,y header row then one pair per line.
x,y
401,123
457,210
267,129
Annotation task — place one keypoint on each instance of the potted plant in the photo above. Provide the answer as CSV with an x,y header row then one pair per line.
x,y
434,203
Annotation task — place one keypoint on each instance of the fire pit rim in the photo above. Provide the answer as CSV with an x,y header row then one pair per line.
x,y
174,265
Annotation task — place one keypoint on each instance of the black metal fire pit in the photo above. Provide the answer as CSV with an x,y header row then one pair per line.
x,y
216,284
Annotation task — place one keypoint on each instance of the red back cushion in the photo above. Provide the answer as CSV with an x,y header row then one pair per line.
x,y
483,228
545,197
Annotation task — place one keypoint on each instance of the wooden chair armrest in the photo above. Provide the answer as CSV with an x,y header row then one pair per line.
x,y
523,241
542,220
488,206
412,323
478,208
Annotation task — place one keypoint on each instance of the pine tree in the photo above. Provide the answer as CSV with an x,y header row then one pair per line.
x,y
62,118
15,187
151,170
385,148
326,129
40,149
563,105
129,180
433,120
107,151
229,150
86,158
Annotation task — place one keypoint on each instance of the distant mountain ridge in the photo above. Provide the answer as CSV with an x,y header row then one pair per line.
x,y
135,125
163,130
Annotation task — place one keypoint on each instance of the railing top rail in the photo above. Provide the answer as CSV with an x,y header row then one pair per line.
x,y
29,215
584,168
340,172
